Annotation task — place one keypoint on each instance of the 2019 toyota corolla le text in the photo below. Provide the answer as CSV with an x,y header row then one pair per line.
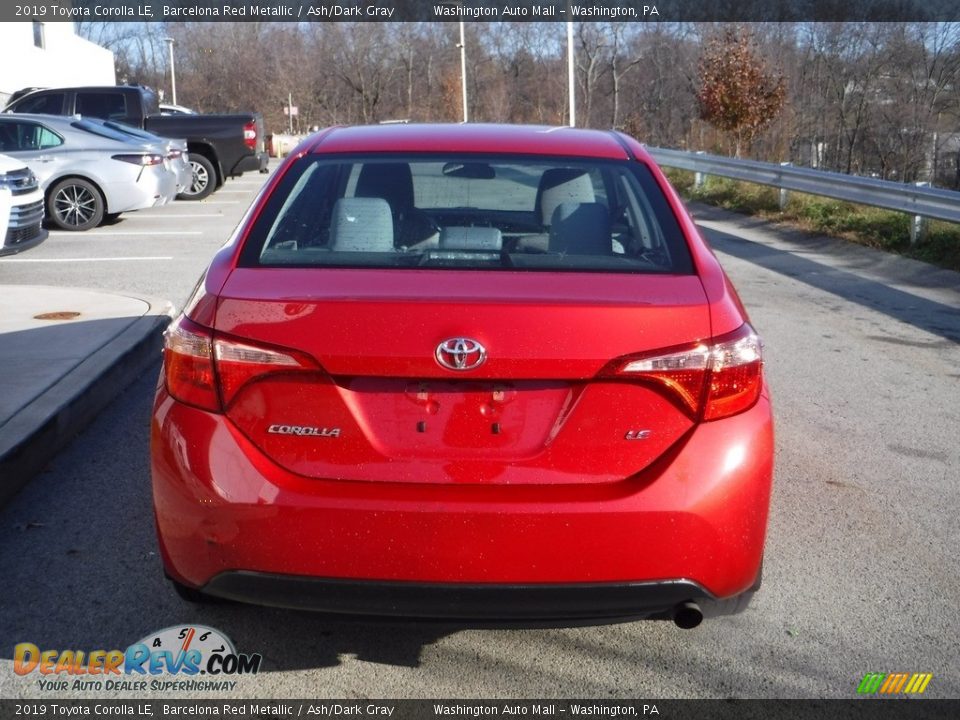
x,y
465,371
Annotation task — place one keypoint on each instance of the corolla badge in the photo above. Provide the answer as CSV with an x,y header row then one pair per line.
x,y
461,354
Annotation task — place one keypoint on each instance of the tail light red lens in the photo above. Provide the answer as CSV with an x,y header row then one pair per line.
x,y
140,159
239,363
250,135
188,364
709,380
735,376
207,373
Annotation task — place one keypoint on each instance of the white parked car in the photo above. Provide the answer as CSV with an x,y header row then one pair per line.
x,y
171,109
21,207
87,174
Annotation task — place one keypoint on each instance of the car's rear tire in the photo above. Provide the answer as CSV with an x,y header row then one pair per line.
x,y
204,179
75,204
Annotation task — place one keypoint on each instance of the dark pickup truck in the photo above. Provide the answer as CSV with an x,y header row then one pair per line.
x,y
220,146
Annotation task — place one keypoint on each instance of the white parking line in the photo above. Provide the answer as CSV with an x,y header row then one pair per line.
x,y
102,259
220,202
221,192
168,215
120,233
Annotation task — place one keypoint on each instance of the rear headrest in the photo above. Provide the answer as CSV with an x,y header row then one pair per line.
x,y
559,185
580,229
391,181
361,225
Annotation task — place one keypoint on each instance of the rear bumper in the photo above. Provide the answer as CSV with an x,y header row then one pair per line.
x,y
232,523
250,163
584,601
151,187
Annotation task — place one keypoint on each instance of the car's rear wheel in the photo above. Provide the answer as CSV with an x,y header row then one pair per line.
x,y
204,179
75,204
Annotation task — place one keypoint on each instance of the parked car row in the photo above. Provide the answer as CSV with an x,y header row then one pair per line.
x,y
97,152
220,146
92,170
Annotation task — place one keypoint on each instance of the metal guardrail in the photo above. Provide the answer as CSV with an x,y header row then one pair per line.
x,y
917,200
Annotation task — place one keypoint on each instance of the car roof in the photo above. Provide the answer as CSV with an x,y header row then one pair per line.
x,y
81,88
35,117
474,137
66,125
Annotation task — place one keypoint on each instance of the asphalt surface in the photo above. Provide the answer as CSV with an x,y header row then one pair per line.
x,y
861,572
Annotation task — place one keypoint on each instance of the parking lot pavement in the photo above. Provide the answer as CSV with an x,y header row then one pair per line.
x,y
65,353
82,315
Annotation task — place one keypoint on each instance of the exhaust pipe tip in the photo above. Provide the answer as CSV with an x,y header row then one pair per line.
x,y
687,615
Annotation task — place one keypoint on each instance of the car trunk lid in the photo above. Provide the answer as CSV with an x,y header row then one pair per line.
x,y
537,410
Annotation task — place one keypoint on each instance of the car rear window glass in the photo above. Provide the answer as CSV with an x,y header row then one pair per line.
x,y
102,104
102,130
472,212
43,104
130,131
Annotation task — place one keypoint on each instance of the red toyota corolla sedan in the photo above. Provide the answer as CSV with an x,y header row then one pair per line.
x,y
465,371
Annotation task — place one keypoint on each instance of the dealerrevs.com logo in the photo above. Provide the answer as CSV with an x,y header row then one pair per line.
x,y
172,659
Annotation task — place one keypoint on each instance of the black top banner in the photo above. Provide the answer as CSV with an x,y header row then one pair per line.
x,y
484,10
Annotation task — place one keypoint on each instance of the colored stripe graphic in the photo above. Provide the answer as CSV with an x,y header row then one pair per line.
x,y
919,681
894,683
871,683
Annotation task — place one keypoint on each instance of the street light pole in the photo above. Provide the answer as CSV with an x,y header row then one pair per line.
x,y
173,72
463,70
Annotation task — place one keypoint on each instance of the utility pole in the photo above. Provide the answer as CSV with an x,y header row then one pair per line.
x,y
463,71
173,73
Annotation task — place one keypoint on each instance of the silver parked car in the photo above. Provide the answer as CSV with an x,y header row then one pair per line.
x,y
175,148
87,174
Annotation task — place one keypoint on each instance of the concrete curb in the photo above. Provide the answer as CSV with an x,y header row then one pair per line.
x,y
54,418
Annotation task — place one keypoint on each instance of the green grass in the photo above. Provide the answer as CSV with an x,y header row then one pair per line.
x,y
882,229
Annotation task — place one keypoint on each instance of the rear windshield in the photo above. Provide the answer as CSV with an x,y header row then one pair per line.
x,y
472,212
102,130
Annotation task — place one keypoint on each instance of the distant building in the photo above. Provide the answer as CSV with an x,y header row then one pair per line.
x,y
39,54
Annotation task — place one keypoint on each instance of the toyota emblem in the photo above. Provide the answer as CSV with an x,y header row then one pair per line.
x,y
461,354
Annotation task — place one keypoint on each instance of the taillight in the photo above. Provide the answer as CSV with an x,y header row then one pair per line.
x,y
709,380
207,373
188,364
174,154
250,135
140,159
238,363
736,375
